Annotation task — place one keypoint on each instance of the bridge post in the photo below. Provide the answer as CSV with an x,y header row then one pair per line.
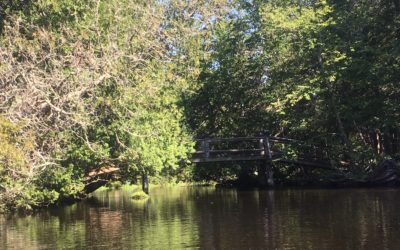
x,y
262,147
268,162
262,168
206,148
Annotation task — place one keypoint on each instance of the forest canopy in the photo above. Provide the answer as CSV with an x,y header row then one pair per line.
x,y
93,84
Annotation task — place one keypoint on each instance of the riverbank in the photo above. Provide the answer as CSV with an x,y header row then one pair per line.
x,y
387,174
115,185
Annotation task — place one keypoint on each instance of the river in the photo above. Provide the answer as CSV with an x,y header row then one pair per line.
x,y
212,218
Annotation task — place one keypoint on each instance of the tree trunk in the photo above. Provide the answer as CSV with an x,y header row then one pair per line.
x,y
145,183
380,147
395,145
332,103
387,141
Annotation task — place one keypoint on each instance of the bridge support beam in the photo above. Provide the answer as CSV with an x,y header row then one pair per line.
x,y
269,174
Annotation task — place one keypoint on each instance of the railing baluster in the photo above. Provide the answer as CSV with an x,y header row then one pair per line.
x,y
207,148
262,147
268,148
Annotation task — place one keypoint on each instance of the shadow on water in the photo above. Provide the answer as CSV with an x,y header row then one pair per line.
x,y
209,218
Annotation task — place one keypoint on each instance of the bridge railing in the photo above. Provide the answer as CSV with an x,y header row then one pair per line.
x,y
257,148
235,149
300,148
311,153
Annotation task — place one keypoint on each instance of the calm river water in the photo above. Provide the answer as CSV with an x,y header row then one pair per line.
x,y
209,218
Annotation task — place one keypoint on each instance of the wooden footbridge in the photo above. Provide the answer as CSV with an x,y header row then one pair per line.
x,y
268,149
265,149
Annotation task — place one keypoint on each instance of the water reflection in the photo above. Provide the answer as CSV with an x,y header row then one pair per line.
x,y
332,219
208,218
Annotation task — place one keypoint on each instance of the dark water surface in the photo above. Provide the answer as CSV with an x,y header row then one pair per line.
x,y
209,218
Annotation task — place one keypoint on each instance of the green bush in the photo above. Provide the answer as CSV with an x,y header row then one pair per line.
x,y
140,195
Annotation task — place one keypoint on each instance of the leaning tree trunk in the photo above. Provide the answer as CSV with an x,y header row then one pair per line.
x,y
387,173
100,177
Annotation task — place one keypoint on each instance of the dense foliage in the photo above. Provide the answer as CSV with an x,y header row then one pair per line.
x,y
324,72
88,85
92,84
